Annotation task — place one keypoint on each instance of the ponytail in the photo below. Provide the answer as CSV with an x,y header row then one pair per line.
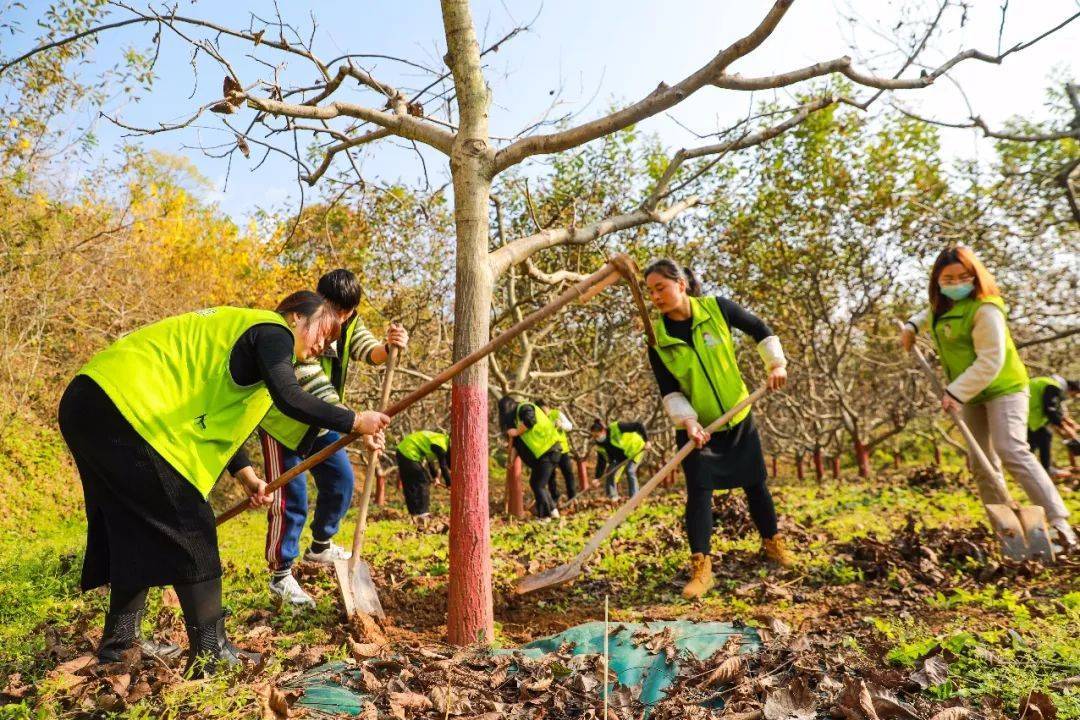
x,y
670,269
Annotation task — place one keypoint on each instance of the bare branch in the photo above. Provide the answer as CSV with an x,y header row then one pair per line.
x,y
662,98
554,278
1049,338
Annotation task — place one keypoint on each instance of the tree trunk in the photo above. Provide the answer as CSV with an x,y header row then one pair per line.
x,y
862,458
470,617
798,466
897,459
937,455
819,467
515,504
380,488
582,474
774,466
836,467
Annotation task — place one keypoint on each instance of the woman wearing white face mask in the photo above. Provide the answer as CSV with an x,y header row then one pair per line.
x,y
987,379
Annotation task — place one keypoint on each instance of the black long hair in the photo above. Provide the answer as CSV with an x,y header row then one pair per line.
x,y
304,303
672,270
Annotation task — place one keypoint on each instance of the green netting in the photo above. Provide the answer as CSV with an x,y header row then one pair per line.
x,y
633,664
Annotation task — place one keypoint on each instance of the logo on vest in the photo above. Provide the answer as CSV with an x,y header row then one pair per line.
x,y
201,421
947,330
710,341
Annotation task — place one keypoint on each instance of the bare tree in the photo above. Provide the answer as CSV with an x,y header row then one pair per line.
x,y
450,116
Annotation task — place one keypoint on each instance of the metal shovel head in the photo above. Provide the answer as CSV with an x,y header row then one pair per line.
x,y
1033,520
358,589
548,578
1009,531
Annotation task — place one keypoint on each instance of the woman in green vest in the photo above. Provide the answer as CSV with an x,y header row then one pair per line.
x,y
619,443
152,421
537,443
417,455
698,375
987,379
1046,410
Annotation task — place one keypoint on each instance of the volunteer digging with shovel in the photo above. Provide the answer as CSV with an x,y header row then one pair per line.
x,y
988,382
698,375
152,421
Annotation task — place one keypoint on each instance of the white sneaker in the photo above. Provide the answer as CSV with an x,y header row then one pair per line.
x,y
1066,537
555,513
291,593
328,556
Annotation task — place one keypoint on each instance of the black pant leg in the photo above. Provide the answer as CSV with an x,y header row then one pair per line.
x,y
762,509
566,466
414,485
539,479
1040,442
697,519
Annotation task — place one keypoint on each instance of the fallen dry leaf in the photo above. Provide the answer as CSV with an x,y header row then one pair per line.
x,y
273,704
400,702
14,688
790,703
727,672
953,713
1038,706
931,671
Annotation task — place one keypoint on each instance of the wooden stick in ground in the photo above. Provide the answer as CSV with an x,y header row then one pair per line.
x,y
373,459
569,571
584,290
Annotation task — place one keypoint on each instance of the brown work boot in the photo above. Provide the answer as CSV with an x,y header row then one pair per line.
x,y
777,552
701,577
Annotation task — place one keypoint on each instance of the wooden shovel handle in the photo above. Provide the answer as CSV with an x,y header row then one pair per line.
x,y
580,290
373,459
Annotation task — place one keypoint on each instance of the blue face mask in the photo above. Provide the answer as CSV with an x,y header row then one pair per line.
x,y
957,292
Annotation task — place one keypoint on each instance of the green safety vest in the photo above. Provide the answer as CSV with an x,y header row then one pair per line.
x,y
291,432
631,443
541,436
171,381
564,441
417,446
707,371
1036,413
952,335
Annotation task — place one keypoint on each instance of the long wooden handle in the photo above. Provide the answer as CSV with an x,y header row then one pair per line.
x,y
630,505
995,491
606,275
373,458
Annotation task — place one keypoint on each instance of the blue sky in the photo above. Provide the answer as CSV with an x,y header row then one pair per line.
x,y
590,54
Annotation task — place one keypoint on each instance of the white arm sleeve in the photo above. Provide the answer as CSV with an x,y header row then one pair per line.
x,y
772,354
564,423
679,409
988,336
918,321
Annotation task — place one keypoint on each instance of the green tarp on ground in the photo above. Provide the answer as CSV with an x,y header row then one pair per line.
x,y
633,664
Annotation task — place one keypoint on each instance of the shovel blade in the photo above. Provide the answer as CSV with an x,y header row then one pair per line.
x,y
548,578
1033,520
358,589
1009,531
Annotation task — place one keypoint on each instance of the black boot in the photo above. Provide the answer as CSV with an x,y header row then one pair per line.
x,y
210,648
122,631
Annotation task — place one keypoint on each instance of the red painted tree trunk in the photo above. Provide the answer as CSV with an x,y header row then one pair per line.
x,y
836,467
937,455
897,459
819,467
798,466
862,459
774,472
582,474
515,502
380,487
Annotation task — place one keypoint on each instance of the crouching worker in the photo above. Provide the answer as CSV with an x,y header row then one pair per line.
x,y
698,374
619,447
1046,409
563,425
417,456
537,443
285,442
152,421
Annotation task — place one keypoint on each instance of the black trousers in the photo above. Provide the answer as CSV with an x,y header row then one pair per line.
x,y
415,485
1040,442
733,458
566,467
541,475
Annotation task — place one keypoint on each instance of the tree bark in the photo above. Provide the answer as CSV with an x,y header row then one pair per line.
x,y
937,455
380,488
819,466
836,467
774,468
582,475
515,504
798,466
862,458
470,617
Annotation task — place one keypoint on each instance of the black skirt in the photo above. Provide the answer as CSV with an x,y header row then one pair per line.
x,y
732,458
147,525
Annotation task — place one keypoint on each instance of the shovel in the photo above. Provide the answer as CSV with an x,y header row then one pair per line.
x,y
1021,532
570,571
354,575
619,266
